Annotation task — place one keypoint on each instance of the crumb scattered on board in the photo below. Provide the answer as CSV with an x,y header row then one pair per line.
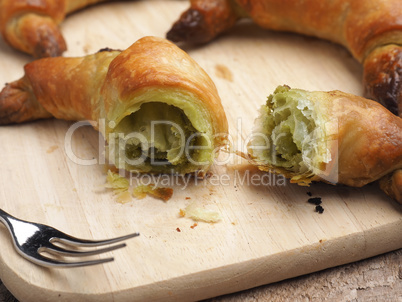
x,y
199,213
221,71
52,149
161,193
121,188
317,202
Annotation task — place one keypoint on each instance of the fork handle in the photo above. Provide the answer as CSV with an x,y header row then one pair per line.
x,y
4,217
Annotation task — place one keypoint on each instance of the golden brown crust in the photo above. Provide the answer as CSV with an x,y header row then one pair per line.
x,y
382,77
369,139
361,26
181,73
109,89
91,87
203,21
68,88
391,184
18,104
37,35
32,26
363,137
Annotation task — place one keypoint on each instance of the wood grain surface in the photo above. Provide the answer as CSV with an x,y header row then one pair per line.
x,y
375,279
267,232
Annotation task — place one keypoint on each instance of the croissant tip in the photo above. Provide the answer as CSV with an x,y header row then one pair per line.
x,y
10,102
17,105
382,77
49,45
190,28
37,35
392,185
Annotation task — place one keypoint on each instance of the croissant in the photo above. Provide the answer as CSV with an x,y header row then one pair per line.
x,y
370,30
32,26
156,107
333,137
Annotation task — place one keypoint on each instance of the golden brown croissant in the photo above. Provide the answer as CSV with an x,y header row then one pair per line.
x,y
32,26
328,136
370,30
161,112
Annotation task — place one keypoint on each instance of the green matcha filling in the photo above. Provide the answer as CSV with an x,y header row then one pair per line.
x,y
160,138
287,134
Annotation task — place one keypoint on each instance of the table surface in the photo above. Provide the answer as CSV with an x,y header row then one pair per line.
x,y
375,279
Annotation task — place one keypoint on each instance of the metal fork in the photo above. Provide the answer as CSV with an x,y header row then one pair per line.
x,y
33,241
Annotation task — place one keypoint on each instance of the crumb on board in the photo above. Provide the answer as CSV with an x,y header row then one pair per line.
x,y
199,213
161,193
123,197
315,200
222,71
178,230
116,182
51,149
121,185
319,209
194,225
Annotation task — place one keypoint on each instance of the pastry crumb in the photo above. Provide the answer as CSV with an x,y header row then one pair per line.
x,y
182,213
199,213
119,185
123,197
221,71
52,149
161,193
319,209
116,182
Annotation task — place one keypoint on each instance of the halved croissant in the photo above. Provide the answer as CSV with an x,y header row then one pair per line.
x,y
330,136
370,30
157,108
33,26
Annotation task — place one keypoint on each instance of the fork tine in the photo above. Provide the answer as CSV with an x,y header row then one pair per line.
x,y
70,240
49,262
59,251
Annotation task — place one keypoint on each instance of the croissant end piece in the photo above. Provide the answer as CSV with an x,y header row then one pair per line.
x,y
18,104
382,77
203,21
36,35
155,106
392,184
333,137
33,26
364,27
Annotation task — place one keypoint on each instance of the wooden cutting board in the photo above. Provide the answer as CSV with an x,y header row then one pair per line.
x,y
267,232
